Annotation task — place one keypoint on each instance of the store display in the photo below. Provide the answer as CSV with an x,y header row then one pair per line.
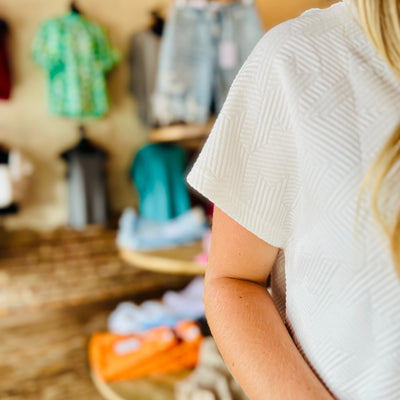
x,y
139,234
203,47
87,196
144,51
158,350
77,55
158,338
158,173
129,318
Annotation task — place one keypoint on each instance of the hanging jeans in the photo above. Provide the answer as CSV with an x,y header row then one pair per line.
x,y
201,52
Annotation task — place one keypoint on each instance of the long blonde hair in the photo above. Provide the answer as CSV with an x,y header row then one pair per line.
x,y
380,20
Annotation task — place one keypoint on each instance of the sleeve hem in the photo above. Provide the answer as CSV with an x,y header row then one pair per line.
x,y
248,219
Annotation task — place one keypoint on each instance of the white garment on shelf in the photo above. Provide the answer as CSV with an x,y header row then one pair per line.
x,y
303,122
6,197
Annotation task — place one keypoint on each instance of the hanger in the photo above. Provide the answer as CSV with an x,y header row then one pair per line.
x,y
4,28
158,23
74,8
84,145
4,151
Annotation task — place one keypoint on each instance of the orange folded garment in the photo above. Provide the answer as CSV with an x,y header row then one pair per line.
x,y
159,350
111,355
177,358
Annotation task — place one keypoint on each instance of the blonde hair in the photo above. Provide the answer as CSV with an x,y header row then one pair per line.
x,y
380,20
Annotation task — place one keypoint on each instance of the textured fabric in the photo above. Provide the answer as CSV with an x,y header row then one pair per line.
x,y
303,122
76,55
5,70
158,174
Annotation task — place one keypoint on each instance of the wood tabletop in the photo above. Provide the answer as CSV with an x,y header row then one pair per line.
x,y
177,260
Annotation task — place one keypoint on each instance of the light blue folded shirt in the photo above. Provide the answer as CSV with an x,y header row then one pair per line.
x,y
139,234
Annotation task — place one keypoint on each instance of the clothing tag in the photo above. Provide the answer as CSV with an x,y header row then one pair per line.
x,y
191,334
228,55
127,346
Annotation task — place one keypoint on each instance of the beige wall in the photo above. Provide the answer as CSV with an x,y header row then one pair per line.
x,y
26,124
275,11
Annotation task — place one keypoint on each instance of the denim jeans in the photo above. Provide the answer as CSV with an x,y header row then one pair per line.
x,y
191,73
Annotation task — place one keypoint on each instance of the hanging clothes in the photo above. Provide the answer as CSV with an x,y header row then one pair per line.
x,y
158,173
5,70
87,199
6,197
77,56
203,47
144,51
15,172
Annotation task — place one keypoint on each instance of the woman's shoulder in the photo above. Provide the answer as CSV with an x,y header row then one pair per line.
x,y
317,33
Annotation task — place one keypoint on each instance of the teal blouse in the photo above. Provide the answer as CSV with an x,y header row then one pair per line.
x,y
77,55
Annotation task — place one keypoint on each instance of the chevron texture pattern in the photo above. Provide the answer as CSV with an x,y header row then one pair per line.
x,y
303,122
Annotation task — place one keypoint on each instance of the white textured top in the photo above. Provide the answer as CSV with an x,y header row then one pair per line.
x,y
303,122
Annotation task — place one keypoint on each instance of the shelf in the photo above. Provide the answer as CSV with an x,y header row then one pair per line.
x,y
177,260
160,387
182,132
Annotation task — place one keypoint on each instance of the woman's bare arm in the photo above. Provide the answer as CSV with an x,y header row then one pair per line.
x,y
245,322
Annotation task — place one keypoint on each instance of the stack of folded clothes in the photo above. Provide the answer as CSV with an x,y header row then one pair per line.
x,y
187,304
139,234
158,350
153,337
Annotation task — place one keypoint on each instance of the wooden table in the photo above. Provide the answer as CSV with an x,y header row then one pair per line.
x,y
159,387
177,260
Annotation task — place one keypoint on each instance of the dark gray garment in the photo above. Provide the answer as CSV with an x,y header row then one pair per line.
x,y
87,203
144,52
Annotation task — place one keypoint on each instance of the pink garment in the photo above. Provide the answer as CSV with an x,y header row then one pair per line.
x,y
202,258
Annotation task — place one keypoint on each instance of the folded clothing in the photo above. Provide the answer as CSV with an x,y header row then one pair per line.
x,y
159,350
139,234
129,318
211,379
189,302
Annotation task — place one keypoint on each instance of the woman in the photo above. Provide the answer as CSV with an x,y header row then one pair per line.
x,y
302,166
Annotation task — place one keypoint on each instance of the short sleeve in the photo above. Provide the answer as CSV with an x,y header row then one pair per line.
x,y
107,55
248,166
46,48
